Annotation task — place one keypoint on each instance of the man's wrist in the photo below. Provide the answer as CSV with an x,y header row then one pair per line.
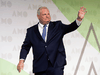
x,y
21,61
78,22
79,19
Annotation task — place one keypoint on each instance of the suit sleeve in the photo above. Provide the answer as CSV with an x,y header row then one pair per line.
x,y
25,47
69,28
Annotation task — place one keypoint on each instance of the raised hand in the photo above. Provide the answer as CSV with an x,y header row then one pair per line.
x,y
81,13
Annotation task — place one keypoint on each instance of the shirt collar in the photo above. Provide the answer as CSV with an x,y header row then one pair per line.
x,y
41,25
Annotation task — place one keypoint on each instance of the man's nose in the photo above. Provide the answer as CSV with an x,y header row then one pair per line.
x,y
47,16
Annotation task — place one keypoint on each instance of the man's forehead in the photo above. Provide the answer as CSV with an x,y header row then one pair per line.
x,y
43,10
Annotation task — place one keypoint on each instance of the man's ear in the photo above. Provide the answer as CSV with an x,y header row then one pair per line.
x,y
37,16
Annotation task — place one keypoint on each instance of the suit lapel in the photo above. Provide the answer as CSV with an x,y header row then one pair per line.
x,y
50,31
38,33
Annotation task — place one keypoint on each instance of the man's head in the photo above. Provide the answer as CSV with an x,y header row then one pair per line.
x,y
43,15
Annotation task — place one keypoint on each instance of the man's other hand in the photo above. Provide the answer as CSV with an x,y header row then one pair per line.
x,y
20,65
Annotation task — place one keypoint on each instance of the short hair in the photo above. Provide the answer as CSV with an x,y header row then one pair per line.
x,y
39,9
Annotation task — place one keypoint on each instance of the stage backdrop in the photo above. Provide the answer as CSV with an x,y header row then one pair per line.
x,y
82,46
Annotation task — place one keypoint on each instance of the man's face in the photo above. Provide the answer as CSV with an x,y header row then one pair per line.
x,y
44,16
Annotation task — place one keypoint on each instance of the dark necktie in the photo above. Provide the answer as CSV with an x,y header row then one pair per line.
x,y
44,32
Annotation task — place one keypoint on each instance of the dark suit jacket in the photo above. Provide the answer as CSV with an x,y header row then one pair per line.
x,y
52,49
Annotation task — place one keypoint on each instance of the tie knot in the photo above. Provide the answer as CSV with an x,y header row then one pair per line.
x,y
45,25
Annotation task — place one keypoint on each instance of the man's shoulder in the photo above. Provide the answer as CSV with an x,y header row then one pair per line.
x,y
32,27
58,21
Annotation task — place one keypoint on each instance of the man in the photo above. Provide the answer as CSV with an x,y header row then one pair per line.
x,y
46,40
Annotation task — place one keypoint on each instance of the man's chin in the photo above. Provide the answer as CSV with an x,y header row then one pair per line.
x,y
47,22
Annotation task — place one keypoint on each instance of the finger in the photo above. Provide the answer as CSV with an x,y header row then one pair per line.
x,y
81,8
84,9
19,70
85,12
22,67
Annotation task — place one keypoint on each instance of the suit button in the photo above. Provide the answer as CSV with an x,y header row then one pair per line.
x,y
45,46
